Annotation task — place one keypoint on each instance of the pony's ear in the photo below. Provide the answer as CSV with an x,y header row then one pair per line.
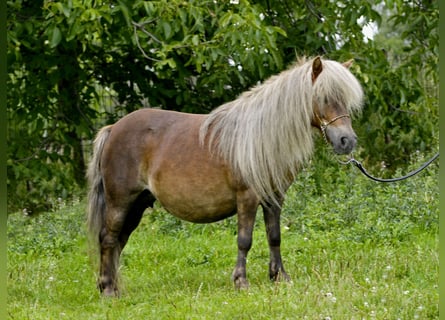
x,y
348,63
317,67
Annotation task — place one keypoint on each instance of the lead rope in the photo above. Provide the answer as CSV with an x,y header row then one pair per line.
x,y
408,175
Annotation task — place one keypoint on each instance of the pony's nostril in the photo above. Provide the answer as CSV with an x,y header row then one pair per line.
x,y
344,141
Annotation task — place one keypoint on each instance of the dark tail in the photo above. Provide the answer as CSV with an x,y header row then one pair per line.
x,y
96,197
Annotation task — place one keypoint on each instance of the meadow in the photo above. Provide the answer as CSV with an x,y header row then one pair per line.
x,y
355,249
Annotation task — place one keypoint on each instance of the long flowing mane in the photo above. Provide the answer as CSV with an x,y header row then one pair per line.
x,y
265,134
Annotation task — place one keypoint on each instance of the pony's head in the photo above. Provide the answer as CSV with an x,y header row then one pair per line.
x,y
336,95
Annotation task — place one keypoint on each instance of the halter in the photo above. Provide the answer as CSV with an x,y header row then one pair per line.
x,y
324,124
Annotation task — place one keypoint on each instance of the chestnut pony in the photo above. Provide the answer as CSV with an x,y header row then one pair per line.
x,y
204,168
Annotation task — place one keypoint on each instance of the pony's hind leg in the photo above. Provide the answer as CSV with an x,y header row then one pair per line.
x,y
272,222
119,225
110,249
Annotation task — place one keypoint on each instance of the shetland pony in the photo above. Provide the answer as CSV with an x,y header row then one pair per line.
x,y
204,168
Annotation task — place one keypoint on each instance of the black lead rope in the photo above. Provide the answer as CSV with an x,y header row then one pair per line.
x,y
410,174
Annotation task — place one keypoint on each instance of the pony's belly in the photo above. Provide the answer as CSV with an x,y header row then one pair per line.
x,y
198,210
193,198
200,216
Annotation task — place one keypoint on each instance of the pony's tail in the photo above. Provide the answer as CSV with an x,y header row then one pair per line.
x,y
96,197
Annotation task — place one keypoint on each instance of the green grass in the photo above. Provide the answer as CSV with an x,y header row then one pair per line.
x,y
354,250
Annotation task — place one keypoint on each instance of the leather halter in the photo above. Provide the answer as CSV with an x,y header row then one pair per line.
x,y
324,124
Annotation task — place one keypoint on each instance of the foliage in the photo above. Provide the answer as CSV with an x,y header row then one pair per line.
x,y
48,97
402,117
353,248
74,66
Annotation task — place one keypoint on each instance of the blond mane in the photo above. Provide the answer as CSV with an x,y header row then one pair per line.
x,y
265,134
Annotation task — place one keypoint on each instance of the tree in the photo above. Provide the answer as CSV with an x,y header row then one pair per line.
x,y
49,88
403,93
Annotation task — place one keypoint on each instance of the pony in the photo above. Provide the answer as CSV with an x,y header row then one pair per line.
x,y
206,167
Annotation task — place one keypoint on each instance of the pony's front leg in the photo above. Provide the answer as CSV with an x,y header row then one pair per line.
x,y
272,222
247,206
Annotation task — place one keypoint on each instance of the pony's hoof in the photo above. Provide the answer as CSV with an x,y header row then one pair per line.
x,y
241,284
110,293
281,276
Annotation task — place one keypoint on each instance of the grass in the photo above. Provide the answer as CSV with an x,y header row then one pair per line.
x,y
354,250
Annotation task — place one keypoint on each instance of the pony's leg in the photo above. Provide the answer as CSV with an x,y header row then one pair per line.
x,y
110,250
247,206
120,223
272,222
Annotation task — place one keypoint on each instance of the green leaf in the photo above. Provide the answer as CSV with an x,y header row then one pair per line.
x,y
195,40
125,12
225,20
56,37
167,29
279,30
63,8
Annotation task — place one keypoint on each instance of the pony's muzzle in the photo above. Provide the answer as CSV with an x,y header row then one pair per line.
x,y
343,141
347,144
